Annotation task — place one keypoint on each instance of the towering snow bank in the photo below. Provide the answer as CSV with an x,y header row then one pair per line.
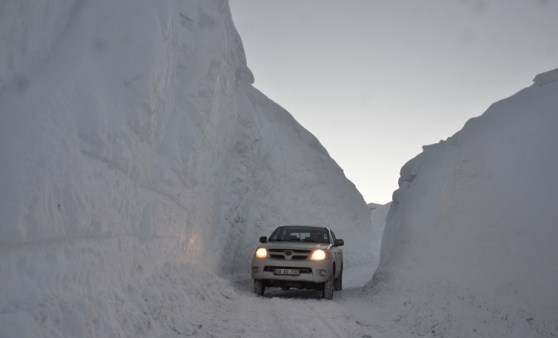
x,y
378,215
131,139
364,271
471,241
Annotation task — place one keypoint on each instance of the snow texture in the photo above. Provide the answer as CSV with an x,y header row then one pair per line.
x,y
470,244
138,163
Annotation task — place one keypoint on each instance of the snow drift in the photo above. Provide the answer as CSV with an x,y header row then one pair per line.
x,y
131,141
470,244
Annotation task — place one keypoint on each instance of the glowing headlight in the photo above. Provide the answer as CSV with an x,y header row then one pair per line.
x,y
261,253
318,255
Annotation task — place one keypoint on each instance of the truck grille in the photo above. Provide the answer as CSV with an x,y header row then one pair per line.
x,y
289,254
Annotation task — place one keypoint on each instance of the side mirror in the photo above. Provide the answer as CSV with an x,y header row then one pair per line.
x,y
339,242
263,239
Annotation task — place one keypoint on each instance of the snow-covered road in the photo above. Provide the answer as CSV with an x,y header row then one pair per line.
x,y
217,307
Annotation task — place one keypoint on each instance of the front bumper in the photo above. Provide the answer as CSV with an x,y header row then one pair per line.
x,y
310,271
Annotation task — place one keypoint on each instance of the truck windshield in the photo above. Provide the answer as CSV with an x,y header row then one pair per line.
x,y
299,234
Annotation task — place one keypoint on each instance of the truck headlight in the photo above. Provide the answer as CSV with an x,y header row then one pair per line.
x,y
261,253
318,255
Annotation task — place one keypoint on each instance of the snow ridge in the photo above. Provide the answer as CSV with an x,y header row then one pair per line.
x,y
472,232
546,77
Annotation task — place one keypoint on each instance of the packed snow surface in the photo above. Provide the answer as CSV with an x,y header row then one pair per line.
x,y
471,241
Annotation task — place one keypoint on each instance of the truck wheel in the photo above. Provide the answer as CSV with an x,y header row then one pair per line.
x,y
259,287
328,288
338,282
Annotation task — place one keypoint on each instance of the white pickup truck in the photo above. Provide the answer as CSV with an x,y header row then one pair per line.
x,y
302,257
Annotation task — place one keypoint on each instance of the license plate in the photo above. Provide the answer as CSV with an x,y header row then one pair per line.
x,y
291,272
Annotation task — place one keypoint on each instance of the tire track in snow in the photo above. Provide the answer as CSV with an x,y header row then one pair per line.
x,y
185,300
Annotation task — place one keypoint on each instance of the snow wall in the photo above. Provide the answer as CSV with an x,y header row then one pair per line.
x,y
378,215
131,139
471,241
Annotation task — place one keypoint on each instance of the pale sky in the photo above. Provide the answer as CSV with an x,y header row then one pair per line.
x,y
375,80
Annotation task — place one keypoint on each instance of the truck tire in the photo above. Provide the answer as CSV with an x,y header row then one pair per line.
x,y
259,287
328,288
338,282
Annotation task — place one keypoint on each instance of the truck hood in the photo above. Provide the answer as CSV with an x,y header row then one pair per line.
x,y
295,245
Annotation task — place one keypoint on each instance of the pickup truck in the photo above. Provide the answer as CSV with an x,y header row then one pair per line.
x,y
302,257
